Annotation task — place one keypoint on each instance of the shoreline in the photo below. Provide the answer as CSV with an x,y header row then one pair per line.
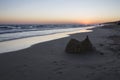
x,y
13,45
48,60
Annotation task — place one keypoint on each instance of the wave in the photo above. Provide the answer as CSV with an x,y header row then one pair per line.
x,y
23,28
11,32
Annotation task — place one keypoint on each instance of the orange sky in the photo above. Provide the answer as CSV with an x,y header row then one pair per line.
x,y
56,21
58,11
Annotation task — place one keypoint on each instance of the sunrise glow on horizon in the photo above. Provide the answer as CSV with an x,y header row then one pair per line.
x,y
58,11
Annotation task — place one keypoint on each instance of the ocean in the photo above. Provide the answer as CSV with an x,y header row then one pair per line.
x,y
11,32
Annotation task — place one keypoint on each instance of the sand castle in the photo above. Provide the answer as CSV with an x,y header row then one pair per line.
x,y
75,46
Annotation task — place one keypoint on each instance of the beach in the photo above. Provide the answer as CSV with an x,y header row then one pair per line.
x,y
49,61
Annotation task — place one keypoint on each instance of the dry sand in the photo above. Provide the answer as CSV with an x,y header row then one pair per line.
x,y
48,60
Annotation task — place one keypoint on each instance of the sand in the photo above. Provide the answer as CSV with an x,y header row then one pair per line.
x,y
48,60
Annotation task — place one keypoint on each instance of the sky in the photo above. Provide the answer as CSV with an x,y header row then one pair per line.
x,y
58,11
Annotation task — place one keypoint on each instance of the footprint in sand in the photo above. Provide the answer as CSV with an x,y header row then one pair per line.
x,y
60,65
101,45
58,70
55,62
